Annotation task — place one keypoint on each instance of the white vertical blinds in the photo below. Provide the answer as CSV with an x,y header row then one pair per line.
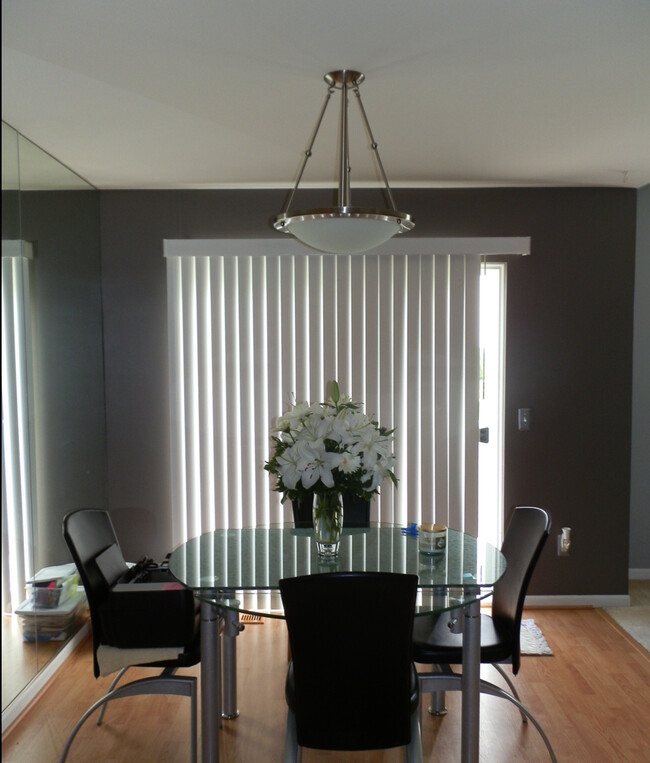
x,y
248,334
17,414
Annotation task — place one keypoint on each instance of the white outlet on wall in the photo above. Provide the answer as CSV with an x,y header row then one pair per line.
x,y
564,542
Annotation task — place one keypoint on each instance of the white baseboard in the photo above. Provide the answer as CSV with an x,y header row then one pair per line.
x,y
589,600
640,573
12,712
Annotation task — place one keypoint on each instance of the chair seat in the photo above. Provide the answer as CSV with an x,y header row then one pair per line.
x,y
110,658
290,689
435,643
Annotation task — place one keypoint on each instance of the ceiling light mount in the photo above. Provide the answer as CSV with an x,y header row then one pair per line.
x,y
341,77
343,229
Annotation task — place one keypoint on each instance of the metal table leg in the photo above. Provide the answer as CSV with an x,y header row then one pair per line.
x,y
211,623
231,630
470,683
438,704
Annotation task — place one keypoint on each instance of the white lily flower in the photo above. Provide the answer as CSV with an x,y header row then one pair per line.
x,y
349,463
290,418
316,427
374,477
318,464
289,467
331,445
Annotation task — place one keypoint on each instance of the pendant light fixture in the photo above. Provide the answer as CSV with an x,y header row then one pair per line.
x,y
343,229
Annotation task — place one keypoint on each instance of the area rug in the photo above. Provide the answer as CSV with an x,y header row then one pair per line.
x,y
532,640
634,620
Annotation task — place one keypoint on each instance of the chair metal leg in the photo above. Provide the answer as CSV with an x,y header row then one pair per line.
x,y
414,749
110,689
291,749
184,686
100,717
511,685
452,682
489,688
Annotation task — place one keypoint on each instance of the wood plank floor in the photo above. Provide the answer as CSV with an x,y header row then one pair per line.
x,y
592,698
21,660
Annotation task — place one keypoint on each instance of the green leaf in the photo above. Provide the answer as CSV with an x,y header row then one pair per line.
x,y
334,392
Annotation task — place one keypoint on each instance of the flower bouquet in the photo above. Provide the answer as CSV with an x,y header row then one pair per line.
x,y
328,450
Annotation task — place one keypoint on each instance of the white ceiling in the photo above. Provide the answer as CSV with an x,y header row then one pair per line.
x,y
225,93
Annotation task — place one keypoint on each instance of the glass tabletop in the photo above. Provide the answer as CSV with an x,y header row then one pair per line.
x,y
242,567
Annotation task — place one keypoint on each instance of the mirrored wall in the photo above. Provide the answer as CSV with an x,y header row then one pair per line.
x,y
54,430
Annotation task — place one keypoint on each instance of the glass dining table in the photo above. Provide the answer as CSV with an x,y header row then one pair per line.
x,y
238,571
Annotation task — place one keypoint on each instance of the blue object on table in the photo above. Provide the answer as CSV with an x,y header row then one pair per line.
x,y
412,529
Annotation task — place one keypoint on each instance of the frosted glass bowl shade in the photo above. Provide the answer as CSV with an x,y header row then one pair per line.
x,y
340,230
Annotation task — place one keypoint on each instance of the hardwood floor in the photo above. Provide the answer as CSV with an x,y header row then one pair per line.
x,y
592,698
21,660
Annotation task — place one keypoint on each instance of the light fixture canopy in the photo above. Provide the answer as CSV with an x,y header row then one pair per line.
x,y
343,229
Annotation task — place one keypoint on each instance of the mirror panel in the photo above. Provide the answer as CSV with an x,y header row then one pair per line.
x,y
57,213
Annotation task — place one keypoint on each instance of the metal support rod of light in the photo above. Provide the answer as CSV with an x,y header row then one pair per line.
x,y
343,229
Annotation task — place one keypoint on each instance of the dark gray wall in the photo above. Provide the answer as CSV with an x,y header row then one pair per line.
x,y
66,313
569,353
70,433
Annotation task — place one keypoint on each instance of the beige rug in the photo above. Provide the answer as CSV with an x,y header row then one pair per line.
x,y
635,619
532,639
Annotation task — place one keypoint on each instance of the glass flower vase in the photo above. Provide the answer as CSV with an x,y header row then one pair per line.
x,y
328,523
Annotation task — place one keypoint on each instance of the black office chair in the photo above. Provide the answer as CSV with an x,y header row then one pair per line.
x,y
435,643
346,688
155,633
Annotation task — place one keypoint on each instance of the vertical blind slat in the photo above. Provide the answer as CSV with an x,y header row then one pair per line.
x,y
404,423
302,315
217,286
205,390
413,382
261,386
456,436
358,327
246,386
441,389
427,381
330,322
472,392
343,323
176,397
17,439
190,385
386,410
231,434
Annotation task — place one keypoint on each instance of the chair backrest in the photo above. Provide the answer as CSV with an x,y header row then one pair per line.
x,y
350,638
524,539
89,535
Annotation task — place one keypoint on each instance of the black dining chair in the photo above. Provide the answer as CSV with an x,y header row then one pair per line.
x,y
158,629
438,639
347,688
